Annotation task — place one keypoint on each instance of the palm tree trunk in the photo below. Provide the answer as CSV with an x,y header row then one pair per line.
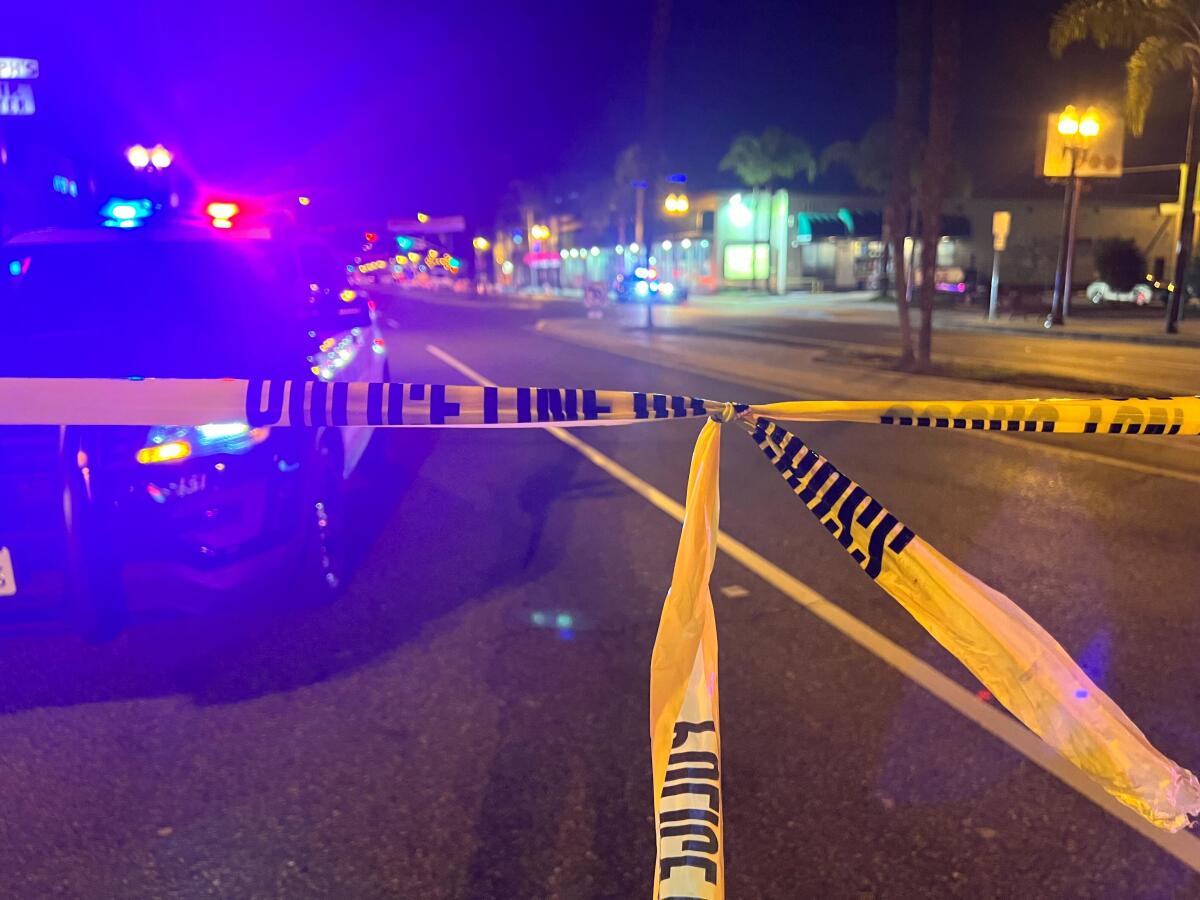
x,y
770,215
909,26
1187,222
942,91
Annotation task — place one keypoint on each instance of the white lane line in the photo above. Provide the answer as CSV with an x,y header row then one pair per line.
x,y
683,365
1182,845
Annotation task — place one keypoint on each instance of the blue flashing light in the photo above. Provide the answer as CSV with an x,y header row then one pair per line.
x,y
564,620
455,262
404,242
14,268
677,178
126,213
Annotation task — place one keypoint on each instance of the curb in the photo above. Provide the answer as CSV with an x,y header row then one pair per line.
x,y
1064,335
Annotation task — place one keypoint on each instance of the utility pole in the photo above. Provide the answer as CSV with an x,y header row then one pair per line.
x,y
1187,221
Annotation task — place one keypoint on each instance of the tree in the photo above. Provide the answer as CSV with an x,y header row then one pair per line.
x,y
630,167
898,212
762,161
943,90
868,160
1120,263
1165,37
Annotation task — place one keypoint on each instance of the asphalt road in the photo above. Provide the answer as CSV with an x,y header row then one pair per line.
x,y
438,734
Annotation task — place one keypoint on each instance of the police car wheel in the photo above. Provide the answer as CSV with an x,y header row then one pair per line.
x,y
322,564
96,602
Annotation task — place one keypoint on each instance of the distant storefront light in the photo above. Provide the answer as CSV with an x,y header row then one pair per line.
x,y
744,262
686,243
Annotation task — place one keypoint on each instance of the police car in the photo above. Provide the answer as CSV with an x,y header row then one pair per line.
x,y
92,512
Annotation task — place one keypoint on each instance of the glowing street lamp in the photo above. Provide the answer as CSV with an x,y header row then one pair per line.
x,y
480,243
153,158
1078,132
160,157
138,156
539,232
676,204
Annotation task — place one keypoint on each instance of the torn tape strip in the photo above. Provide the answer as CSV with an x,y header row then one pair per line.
x,y
1118,415
155,401
1025,668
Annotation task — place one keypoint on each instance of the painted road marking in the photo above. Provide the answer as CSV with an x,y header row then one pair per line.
x,y
1182,845
657,359
734,591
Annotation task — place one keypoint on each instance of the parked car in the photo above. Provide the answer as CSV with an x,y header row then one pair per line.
x,y
1141,294
195,510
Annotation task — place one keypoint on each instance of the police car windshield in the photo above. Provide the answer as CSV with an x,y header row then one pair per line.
x,y
120,308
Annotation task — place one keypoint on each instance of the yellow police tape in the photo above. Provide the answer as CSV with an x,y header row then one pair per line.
x,y
1023,666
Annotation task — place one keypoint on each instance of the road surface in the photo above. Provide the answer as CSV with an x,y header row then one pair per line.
x,y
470,720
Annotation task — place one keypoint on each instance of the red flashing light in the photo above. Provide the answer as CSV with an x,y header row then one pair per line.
x,y
371,237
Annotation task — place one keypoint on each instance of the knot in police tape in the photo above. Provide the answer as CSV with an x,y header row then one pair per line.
x,y
728,412
1023,667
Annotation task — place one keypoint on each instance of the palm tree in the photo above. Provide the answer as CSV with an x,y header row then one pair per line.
x,y
868,160
943,90
761,161
630,167
898,212
1165,37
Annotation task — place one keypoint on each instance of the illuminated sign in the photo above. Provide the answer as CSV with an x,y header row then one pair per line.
x,y
16,99
64,185
1102,157
744,262
16,68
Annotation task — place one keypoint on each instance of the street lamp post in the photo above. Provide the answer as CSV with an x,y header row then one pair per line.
x,y
1078,133
481,245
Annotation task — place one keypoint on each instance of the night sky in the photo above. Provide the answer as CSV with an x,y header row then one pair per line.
x,y
394,107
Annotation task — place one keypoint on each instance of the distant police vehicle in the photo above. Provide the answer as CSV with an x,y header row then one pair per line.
x,y
644,285
90,510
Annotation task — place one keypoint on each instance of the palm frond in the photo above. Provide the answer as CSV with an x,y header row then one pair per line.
x,y
1153,58
1109,23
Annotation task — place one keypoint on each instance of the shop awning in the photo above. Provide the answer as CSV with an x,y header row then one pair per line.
x,y
862,223
813,226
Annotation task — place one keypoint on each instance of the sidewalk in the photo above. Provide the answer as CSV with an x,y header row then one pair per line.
x,y
860,307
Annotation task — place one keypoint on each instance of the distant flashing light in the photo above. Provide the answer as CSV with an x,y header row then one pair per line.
x,y
677,178
422,218
304,201
619,250
666,289
634,247
667,245
138,156
642,289
14,268
595,251
222,209
119,213
160,157
686,243
222,223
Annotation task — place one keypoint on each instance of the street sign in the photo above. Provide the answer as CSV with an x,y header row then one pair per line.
x,y
442,225
1102,158
16,99
1001,222
16,68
